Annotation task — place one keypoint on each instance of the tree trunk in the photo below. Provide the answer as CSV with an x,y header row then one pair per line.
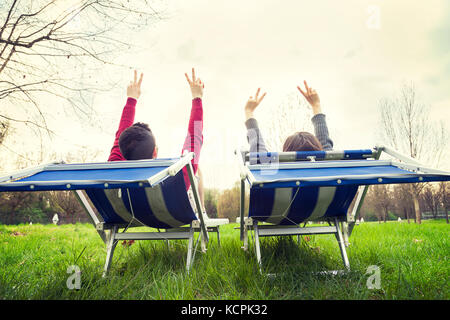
x,y
446,214
417,209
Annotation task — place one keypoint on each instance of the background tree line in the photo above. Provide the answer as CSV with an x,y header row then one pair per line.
x,y
390,202
383,203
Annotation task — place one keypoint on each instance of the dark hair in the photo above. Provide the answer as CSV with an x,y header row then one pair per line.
x,y
302,141
137,142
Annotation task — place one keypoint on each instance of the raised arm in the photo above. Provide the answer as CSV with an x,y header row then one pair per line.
x,y
127,118
194,137
318,120
254,136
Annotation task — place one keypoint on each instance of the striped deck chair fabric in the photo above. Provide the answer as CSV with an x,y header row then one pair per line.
x,y
292,206
164,206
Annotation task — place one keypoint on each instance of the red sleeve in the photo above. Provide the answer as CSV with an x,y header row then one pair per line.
x,y
126,121
194,138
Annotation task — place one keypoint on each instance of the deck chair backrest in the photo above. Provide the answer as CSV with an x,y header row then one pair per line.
x,y
144,192
292,187
165,205
293,205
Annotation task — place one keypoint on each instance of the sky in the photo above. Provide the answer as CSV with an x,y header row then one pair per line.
x,y
353,52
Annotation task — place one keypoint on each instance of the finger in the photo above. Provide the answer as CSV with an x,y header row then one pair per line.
x,y
140,79
257,93
262,97
193,75
308,90
135,76
187,78
300,89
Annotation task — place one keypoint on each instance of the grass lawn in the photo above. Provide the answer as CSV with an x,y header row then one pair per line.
x,y
413,261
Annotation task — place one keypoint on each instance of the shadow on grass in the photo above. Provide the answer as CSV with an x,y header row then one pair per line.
x,y
280,254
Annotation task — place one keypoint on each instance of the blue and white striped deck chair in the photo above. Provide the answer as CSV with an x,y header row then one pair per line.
x,y
291,188
127,194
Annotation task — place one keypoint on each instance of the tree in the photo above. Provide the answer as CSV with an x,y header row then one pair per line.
x,y
378,202
211,198
4,126
228,204
23,207
67,206
444,190
431,198
402,202
368,210
405,125
52,50
383,201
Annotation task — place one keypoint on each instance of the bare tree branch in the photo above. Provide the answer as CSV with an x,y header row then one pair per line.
x,y
47,47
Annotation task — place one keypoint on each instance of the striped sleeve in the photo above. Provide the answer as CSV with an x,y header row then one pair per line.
x,y
254,136
126,121
194,138
321,131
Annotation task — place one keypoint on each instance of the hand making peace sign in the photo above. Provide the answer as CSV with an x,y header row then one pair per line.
x,y
312,97
196,85
252,103
134,88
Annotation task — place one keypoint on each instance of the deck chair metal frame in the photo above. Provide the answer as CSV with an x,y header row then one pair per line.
x,y
341,226
109,232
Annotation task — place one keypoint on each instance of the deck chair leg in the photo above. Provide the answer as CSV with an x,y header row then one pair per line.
x,y
257,245
91,214
242,211
340,240
202,242
190,257
218,236
345,233
245,237
111,245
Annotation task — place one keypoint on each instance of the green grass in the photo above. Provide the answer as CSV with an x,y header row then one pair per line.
x,y
413,260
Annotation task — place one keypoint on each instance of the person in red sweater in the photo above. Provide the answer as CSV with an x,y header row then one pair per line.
x,y
135,141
